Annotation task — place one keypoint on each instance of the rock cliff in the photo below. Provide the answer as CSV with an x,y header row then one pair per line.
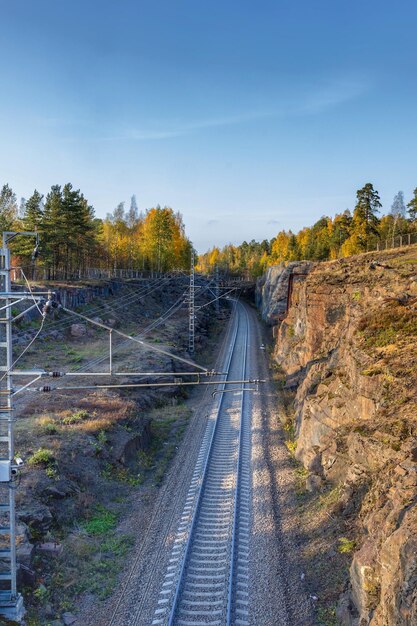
x,y
347,342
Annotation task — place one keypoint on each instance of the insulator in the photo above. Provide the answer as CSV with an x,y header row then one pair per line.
x,y
47,307
46,388
55,374
35,253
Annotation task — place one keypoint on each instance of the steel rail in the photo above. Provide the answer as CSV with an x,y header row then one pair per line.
x,y
233,557
181,584
201,488
157,512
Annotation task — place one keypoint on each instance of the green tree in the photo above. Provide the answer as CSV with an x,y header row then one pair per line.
x,y
53,234
365,220
33,215
412,207
32,219
8,208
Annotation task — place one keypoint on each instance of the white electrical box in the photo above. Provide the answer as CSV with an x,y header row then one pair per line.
x,y
5,471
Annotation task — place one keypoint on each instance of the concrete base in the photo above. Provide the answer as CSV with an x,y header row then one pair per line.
x,y
13,610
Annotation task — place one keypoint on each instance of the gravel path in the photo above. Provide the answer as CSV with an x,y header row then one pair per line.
x,y
277,595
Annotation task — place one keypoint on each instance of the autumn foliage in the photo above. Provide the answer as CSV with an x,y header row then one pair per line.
x,y
329,238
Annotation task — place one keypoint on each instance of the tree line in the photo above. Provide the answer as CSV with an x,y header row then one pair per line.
x,y
345,234
72,238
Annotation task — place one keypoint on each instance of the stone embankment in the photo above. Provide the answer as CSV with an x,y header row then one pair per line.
x,y
346,339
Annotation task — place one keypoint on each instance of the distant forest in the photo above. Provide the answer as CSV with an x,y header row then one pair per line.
x,y
72,238
330,238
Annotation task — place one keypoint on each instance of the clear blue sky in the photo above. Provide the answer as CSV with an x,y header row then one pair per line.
x,y
248,117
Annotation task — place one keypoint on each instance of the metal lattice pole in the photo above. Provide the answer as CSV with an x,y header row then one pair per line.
x,y
11,603
217,290
191,307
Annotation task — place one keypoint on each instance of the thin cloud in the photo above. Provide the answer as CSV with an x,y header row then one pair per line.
x,y
332,95
185,129
315,101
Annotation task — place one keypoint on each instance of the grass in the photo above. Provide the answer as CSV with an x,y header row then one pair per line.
x,y
122,475
327,617
301,474
101,523
102,438
97,559
168,424
47,425
328,499
386,327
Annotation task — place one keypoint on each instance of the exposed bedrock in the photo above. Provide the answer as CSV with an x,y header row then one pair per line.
x,y
348,347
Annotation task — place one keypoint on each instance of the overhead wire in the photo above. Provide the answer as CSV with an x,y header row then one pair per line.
x,y
143,333
162,318
122,303
32,341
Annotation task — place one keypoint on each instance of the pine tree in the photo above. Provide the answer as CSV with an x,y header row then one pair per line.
x,y
33,215
53,233
365,220
412,207
31,221
8,208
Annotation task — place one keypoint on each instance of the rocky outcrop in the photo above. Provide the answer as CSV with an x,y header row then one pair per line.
x,y
273,289
348,347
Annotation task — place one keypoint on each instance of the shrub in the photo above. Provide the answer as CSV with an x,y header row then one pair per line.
x,y
346,546
48,425
292,446
75,418
43,456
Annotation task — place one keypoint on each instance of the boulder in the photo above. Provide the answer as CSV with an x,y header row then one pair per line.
x,y
78,330
38,519
24,549
314,483
50,548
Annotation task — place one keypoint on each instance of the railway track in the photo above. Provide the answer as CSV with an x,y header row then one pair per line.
x,y
206,581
